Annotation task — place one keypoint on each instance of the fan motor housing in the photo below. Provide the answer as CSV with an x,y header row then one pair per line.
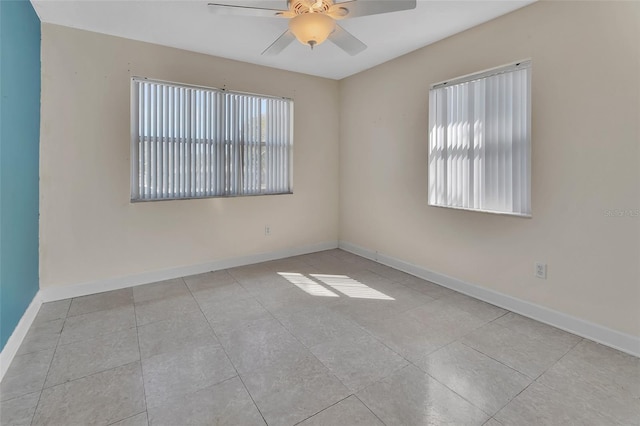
x,y
300,7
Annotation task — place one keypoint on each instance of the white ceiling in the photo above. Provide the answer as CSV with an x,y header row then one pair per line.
x,y
187,24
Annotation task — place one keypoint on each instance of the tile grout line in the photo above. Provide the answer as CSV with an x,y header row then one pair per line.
x,y
224,349
491,416
55,349
444,346
127,418
370,410
307,349
144,390
455,392
393,350
88,374
66,315
326,408
535,380
489,356
59,345
516,331
18,353
558,360
496,360
378,381
51,362
384,377
328,369
312,354
532,380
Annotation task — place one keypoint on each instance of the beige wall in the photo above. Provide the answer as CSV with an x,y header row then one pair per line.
x,y
586,110
89,231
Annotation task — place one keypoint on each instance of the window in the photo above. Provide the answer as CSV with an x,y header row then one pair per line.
x,y
480,141
196,142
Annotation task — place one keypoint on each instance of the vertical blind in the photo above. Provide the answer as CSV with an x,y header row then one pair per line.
x,y
480,141
194,142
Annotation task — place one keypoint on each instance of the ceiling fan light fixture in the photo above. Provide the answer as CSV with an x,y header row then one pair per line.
x,y
312,28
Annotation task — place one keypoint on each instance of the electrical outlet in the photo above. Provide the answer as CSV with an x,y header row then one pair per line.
x,y
267,230
541,270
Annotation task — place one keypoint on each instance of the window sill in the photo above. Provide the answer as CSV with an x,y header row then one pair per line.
x,y
142,200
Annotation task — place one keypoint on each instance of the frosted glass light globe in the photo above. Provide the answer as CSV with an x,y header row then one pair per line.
x,y
312,28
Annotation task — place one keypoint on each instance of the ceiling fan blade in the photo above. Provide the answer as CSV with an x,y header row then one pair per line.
x,y
347,41
232,9
355,8
281,42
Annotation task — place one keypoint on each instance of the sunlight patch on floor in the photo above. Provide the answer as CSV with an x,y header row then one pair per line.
x,y
307,284
350,287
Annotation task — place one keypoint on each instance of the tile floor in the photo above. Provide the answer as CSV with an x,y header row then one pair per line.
x,y
322,339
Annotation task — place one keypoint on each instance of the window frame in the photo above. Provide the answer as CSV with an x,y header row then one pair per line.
x,y
134,142
514,66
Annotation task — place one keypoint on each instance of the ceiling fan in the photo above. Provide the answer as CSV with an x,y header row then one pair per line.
x,y
314,21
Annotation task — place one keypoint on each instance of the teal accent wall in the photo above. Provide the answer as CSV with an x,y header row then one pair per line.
x,y
19,158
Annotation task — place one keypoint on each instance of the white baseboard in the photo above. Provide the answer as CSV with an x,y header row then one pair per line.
x,y
598,333
15,340
51,294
